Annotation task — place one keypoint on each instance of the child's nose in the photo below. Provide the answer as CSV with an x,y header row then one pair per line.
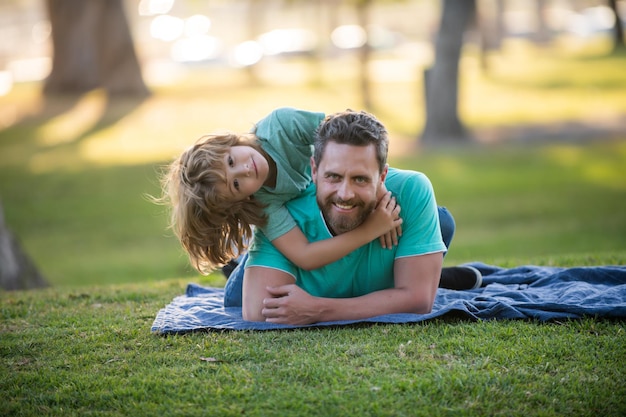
x,y
244,170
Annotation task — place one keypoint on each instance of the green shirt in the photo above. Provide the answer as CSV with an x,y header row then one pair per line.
x,y
287,135
369,268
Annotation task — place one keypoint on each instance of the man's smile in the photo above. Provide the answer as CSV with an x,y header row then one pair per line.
x,y
343,206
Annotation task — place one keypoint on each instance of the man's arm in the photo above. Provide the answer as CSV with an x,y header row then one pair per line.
x,y
256,280
277,299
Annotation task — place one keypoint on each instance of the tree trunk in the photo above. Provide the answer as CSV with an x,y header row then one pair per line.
x,y
93,48
543,35
618,32
254,19
490,25
441,80
362,10
17,270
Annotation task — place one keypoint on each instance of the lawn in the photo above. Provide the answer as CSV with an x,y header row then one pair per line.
x,y
75,174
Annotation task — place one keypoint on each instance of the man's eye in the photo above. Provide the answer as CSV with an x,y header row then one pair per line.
x,y
360,180
236,184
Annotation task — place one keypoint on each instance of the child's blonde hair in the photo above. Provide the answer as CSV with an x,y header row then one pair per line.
x,y
211,229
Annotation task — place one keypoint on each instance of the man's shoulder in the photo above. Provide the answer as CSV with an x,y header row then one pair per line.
x,y
404,173
303,201
400,179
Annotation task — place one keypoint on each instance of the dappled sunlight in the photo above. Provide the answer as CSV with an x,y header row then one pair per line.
x,y
451,167
565,155
56,159
156,132
95,132
393,71
122,145
606,174
599,168
72,124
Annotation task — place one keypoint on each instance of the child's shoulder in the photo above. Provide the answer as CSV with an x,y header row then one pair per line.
x,y
292,113
284,112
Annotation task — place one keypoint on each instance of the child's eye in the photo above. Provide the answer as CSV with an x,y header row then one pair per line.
x,y
236,184
230,161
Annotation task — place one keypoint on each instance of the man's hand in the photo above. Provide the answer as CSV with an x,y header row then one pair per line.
x,y
290,305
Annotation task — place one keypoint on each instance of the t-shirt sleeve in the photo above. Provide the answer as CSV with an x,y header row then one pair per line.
x,y
264,254
421,233
279,221
291,126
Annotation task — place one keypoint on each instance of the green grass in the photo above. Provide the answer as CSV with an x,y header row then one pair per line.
x,y
73,179
516,203
69,352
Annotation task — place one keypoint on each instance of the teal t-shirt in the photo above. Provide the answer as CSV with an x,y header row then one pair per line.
x,y
287,135
369,268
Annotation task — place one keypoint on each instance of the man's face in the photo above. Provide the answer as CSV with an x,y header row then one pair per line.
x,y
347,182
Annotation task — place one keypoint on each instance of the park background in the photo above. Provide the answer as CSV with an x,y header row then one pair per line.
x,y
533,172
539,83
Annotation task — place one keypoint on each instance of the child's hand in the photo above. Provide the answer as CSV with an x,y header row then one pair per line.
x,y
391,237
384,221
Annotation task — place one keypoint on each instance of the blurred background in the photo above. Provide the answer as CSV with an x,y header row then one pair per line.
x,y
176,37
515,109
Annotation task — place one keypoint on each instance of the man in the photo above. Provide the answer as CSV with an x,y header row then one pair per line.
x,y
348,169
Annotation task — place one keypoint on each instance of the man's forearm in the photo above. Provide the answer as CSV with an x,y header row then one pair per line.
x,y
290,304
281,301
389,301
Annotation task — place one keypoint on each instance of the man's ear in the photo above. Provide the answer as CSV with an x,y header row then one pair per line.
x,y
383,174
313,170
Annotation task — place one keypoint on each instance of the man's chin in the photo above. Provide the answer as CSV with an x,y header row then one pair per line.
x,y
341,224
341,221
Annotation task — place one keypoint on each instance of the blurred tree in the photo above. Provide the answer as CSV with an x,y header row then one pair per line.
x,y
441,80
93,48
543,34
254,14
490,22
618,32
17,270
363,9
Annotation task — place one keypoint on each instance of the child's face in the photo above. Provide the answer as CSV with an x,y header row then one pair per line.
x,y
246,171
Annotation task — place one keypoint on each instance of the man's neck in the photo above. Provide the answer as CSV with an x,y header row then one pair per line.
x,y
330,230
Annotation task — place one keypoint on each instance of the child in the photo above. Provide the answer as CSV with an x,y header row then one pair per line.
x,y
226,184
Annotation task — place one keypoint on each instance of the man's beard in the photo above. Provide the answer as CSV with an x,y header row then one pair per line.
x,y
342,223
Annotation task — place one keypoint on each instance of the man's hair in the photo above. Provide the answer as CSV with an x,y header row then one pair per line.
x,y
211,229
352,128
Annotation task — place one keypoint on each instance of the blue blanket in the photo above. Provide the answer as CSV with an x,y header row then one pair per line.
x,y
527,292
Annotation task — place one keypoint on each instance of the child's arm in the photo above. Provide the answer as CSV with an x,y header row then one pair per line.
x,y
389,239
306,255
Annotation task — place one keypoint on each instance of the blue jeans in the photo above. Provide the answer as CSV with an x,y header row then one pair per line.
x,y
234,285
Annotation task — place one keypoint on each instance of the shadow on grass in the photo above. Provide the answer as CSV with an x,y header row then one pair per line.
x,y
101,111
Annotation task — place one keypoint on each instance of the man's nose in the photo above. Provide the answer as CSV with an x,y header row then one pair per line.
x,y
345,191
